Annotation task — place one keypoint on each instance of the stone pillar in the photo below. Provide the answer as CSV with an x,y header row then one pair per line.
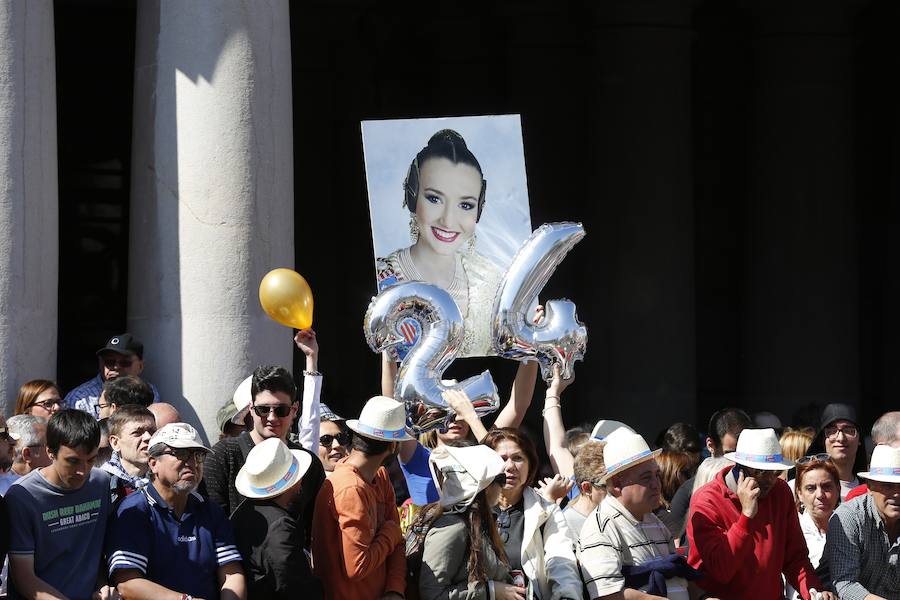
x,y
639,198
212,195
800,311
29,236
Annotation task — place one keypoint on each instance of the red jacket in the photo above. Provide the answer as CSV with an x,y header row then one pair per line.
x,y
744,558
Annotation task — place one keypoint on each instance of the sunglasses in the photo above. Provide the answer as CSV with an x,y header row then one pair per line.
x,y
503,522
112,363
847,430
821,457
280,410
501,481
186,454
344,438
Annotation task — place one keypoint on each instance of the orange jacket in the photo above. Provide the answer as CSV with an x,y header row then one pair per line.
x,y
356,541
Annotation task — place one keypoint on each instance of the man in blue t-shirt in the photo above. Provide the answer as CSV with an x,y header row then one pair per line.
x,y
167,538
58,515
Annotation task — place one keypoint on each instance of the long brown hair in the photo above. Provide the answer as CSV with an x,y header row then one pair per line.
x,y
30,391
479,520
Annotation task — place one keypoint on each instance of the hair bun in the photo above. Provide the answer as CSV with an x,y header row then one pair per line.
x,y
447,136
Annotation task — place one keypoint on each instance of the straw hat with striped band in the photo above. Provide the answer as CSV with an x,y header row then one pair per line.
x,y
625,449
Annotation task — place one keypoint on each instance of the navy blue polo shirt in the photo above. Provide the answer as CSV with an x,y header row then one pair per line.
x,y
180,554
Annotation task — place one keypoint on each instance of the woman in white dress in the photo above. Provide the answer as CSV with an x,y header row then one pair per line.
x,y
444,192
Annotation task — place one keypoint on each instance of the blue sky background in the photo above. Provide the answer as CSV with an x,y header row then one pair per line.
x,y
496,141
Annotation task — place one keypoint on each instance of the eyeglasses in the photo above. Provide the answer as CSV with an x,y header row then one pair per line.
x,y
281,410
47,404
847,430
821,457
344,438
112,363
186,454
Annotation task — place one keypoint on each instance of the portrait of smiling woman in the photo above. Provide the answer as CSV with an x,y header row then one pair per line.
x,y
445,194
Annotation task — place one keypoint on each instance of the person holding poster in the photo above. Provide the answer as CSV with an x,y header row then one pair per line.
x,y
444,192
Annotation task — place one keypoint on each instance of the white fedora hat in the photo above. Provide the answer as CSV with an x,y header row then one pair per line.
x,y
461,473
382,418
885,465
625,449
241,399
759,449
604,427
271,469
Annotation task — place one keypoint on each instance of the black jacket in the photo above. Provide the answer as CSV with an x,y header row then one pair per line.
x,y
227,458
271,541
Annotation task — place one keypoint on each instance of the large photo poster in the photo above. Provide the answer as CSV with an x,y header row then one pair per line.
x,y
448,200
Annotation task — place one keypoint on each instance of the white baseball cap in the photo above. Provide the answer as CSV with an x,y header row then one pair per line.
x,y
177,435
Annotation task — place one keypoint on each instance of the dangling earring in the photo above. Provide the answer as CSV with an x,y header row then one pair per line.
x,y
413,230
470,245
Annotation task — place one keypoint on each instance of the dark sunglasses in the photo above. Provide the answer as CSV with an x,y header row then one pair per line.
x,y
503,522
112,363
821,457
281,410
344,438
186,454
500,480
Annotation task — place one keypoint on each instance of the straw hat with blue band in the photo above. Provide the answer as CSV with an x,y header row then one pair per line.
x,y
382,418
271,469
625,449
884,466
759,449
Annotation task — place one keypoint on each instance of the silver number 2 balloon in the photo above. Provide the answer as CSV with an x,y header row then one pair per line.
x,y
560,338
411,308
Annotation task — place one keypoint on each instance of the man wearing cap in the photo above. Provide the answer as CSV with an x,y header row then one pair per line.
x,y
130,430
624,549
744,531
273,406
166,538
863,542
123,354
59,515
885,430
266,526
840,436
357,544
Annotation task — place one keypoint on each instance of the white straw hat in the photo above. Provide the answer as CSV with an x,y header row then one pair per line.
x,y
241,399
885,465
460,474
625,449
382,418
759,449
177,435
604,427
271,469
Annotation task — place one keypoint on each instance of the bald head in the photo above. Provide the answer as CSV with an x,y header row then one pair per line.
x,y
164,413
886,429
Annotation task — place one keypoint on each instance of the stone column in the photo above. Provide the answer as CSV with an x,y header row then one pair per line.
x,y
212,195
639,195
800,316
29,236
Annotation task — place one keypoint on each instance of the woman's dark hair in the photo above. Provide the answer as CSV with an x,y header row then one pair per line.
x,y
448,144
74,429
495,436
674,469
479,520
681,437
127,389
369,446
29,393
268,378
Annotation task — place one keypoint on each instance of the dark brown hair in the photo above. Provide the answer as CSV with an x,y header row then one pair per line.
x,y
29,392
674,469
495,436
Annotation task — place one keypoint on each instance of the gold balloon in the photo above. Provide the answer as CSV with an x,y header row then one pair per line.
x,y
286,297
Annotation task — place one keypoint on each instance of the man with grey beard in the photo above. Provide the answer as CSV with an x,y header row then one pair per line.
x,y
198,558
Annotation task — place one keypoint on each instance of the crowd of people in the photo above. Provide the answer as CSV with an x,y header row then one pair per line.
x,y
108,493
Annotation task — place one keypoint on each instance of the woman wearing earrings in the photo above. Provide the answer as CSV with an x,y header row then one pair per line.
x,y
444,192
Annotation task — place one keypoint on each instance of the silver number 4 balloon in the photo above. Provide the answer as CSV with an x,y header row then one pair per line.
x,y
560,338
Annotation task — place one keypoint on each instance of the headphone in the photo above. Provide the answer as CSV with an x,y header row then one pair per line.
x,y
411,189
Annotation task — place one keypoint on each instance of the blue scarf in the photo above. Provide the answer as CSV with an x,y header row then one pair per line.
x,y
654,573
